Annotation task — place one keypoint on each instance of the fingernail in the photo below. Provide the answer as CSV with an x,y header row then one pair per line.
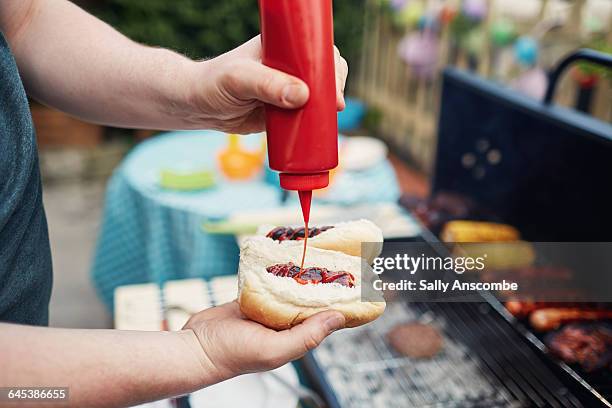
x,y
295,94
334,323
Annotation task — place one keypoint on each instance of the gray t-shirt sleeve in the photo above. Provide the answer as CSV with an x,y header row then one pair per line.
x,y
25,256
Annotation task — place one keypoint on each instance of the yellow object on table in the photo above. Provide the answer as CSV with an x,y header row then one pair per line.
x,y
186,180
237,163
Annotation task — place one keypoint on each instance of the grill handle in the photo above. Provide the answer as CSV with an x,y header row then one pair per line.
x,y
584,54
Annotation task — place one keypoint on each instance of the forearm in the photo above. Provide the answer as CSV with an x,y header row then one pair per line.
x,y
71,60
104,367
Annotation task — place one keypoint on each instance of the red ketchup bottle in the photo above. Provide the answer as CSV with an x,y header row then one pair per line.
x,y
297,38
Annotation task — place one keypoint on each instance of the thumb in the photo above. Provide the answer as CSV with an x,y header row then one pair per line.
x,y
253,80
298,340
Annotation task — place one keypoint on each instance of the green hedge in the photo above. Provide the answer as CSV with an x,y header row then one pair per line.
x,y
205,28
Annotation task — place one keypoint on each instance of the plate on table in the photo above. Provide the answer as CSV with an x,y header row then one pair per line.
x,y
361,152
258,390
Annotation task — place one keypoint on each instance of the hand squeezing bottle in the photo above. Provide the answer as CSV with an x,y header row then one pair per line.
x,y
297,38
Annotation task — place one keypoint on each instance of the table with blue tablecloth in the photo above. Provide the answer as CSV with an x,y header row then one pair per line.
x,y
152,234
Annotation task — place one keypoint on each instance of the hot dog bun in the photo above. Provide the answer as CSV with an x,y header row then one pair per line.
x,y
281,302
345,237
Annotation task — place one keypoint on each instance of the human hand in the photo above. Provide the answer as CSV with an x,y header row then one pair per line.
x,y
233,345
232,88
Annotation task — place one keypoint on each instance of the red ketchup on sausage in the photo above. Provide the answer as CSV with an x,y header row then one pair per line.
x,y
297,38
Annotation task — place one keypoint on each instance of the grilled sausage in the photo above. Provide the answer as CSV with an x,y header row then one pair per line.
x,y
552,318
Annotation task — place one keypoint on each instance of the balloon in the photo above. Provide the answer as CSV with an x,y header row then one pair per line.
x,y
427,22
585,80
526,51
420,52
502,33
475,9
398,4
594,24
447,14
410,15
532,82
475,41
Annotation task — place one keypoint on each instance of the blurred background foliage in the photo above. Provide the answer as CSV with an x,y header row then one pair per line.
x,y
206,28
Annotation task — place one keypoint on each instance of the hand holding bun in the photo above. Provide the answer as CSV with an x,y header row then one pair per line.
x,y
230,345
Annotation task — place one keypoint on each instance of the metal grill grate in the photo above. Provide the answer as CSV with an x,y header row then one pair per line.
x,y
484,363
506,354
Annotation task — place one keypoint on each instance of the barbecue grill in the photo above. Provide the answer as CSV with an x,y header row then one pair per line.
x,y
542,168
539,167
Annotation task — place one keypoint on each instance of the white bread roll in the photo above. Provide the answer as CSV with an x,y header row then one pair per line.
x,y
345,237
281,302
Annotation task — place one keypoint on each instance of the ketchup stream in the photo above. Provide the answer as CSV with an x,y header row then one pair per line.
x,y
305,200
